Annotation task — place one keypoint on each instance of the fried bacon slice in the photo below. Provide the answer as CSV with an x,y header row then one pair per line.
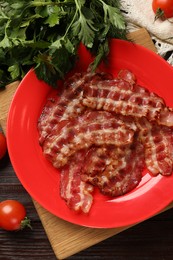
x,y
92,128
127,75
166,117
68,103
76,193
121,97
158,144
115,171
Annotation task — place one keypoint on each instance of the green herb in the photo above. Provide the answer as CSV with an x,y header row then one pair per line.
x,y
46,34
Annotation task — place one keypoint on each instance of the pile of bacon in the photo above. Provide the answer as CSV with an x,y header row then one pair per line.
x,y
102,132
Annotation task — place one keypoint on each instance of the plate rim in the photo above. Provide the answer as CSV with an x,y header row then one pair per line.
x,y
125,223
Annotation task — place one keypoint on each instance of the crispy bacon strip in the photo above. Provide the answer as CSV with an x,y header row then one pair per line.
x,y
121,97
166,117
127,76
68,103
76,193
158,143
120,172
92,128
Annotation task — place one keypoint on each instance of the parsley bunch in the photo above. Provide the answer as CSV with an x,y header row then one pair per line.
x,y
46,34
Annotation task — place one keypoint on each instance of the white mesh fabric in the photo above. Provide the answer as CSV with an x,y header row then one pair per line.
x,y
139,13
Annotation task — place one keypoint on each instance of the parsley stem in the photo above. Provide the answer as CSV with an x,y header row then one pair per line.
x,y
73,19
59,3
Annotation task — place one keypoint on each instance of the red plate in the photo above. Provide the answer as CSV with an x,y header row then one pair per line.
x,y
41,180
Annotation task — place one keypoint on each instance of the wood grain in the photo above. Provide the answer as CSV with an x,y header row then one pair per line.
x,y
5,100
67,239
143,38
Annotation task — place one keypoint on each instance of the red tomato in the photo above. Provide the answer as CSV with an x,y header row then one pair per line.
x,y
165,6
3,145
13,215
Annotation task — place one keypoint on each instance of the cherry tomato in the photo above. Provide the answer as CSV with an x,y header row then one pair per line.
x,y
3,145
165,7
13,215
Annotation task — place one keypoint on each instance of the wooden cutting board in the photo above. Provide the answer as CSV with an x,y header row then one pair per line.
x,y
65,238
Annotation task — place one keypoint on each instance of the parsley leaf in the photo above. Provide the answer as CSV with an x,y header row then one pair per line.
x,y
46,35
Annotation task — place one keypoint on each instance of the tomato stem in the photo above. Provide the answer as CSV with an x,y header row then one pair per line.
x,y
159,14
26,222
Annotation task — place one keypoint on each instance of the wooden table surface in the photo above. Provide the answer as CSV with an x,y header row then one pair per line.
x,y
150,240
